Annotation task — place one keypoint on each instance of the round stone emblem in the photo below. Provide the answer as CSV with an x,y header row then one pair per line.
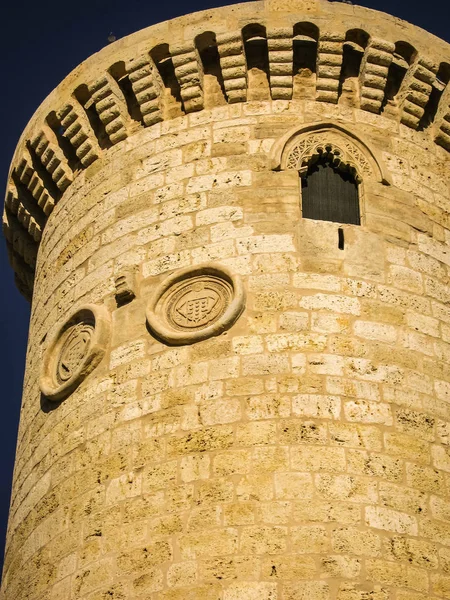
x,y
74,351
194,304
198,303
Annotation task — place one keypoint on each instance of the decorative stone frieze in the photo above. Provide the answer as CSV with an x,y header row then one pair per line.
x,y
302,145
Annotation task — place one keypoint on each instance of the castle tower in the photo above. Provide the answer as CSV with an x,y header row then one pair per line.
x,y
234,228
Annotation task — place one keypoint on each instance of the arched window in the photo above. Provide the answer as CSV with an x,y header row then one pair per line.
x,y
334,166
330,193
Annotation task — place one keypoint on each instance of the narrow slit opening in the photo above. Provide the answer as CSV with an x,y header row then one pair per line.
x,y
119,74
341,241
66,147
404,55
355,44
84,98
213,84
305,41
163,61
442,80
257,58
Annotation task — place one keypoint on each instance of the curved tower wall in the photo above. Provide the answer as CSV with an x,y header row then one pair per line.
x,y
303,451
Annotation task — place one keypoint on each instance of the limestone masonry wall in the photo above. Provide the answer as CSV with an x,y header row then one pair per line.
x,y
302,450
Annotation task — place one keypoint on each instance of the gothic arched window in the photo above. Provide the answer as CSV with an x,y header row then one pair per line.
x,y
334,166
330,193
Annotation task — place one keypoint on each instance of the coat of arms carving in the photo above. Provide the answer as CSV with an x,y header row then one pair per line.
x,y
194,304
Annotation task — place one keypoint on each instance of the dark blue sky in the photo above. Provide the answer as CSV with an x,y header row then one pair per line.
x,y
40,43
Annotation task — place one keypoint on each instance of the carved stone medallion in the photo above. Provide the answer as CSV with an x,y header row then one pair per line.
x,y
194,304
74,351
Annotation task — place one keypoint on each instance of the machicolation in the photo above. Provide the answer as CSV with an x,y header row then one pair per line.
x,y
326,59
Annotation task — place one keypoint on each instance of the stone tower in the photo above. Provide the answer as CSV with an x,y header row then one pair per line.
x,y
234,227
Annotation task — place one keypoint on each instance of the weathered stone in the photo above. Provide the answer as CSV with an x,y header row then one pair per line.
x,y
266,415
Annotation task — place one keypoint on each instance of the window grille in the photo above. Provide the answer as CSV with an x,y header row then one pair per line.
x,y
330,194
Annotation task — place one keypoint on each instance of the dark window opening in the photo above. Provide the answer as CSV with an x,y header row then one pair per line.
x,y
404,55
68,150
304,46
163,61
257,58
214,87
330,194
119,74
355,44
84,98
305,41
442,80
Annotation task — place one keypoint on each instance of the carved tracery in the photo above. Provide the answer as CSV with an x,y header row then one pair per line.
x,y
341,153
344,150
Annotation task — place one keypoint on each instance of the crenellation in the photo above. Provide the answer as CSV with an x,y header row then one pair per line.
x,y
441,128
142,79
329,63
167,82
21,243
280,63
415,92
26,175
232,62
78,132
374,71
111,107
26,213
23,274
188,72
52,158
285,62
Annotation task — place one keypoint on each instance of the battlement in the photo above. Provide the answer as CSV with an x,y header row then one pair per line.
x,y
356,58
